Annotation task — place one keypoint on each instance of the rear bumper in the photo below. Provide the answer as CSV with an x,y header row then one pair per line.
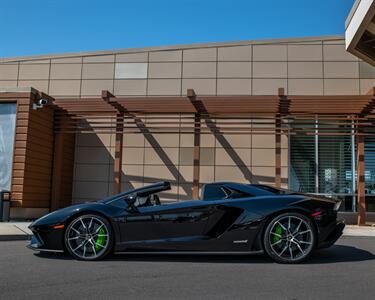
x,y
332,234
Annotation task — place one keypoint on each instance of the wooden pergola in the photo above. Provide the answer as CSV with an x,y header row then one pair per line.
x,y
343,115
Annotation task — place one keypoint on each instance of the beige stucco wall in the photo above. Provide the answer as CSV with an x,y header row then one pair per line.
x,y
316,66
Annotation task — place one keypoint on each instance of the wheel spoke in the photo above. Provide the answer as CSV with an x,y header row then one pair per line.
x,y
303,232
281,253
97,230
76,230
289,224
299,247
100,245
298,227
75,238
278,242
79,246
276,234
90,222
282,226
93,247
84,250
303,242
83,224
290,251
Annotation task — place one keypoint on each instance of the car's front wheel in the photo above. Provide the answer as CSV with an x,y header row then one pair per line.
x,y
88,237
289,238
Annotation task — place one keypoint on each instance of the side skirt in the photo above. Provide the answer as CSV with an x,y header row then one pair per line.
x,y
194,252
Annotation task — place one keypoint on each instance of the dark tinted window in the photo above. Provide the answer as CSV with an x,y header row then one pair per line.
x,y
214,192
234,194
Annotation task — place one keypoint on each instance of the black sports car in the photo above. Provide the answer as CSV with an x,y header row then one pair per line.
x,y
229,218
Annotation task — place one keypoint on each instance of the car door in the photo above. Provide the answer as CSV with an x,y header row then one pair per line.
x,y
184,220
138,225
165,224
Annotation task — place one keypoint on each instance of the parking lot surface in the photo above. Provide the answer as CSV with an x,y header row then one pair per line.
x,y
345,271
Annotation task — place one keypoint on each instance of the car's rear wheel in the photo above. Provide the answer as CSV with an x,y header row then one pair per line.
x,y
88,237
289,238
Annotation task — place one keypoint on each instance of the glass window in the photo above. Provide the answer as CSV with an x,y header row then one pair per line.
x,y
7,131
325,164
213,192
335,165
302,159
370,173
130,70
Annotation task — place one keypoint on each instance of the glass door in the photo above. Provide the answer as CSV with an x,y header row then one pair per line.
x,y
7,133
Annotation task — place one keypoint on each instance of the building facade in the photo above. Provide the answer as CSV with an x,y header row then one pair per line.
x,y
318,66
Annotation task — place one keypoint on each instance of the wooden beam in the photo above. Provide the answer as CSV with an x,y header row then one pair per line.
x,y
197,143
119,141
361,180
196,157
278,153
370,105
283,111
58,153
118,152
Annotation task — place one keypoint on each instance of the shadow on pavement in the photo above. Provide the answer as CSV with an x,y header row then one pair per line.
x,y
335,254
340,253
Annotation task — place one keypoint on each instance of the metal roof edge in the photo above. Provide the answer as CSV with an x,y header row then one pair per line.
x,y
171,48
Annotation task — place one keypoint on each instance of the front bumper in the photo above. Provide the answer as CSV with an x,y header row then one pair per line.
x,y
46,239
332,234
36,245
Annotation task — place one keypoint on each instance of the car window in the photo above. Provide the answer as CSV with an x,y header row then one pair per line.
x,y
234,194
214,192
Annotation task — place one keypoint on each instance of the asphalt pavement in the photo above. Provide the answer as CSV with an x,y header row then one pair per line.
x,y
345,271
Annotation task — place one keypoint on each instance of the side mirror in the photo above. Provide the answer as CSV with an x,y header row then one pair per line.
x,y
131,199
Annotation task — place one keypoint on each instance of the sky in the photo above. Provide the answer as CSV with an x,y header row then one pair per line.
x,y
32,27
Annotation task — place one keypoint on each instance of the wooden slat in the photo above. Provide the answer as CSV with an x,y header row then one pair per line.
x,y
361,180
118,152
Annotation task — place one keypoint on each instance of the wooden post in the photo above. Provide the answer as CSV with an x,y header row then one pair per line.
x,y
56,191
196,162
278,152
197,146
283,110
118,153
361,180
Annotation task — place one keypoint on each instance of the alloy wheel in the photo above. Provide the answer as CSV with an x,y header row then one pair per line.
x,y
291,238
87,237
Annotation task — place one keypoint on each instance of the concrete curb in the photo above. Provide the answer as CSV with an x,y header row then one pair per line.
x,y
15,231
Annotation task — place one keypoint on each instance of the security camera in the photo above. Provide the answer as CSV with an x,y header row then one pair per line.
x,y
40,103
43,102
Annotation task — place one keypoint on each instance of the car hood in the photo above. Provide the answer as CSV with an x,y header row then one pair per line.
x,y
61,215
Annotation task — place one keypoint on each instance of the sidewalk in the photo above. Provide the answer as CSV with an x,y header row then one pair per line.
x,y
14,231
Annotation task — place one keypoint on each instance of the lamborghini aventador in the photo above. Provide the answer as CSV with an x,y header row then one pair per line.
x,y
229,218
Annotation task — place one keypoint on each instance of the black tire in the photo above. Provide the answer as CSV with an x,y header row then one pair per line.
x,y
95,235
295,243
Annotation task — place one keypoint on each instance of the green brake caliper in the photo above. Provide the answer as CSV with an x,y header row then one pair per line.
x,y
279,231
100,241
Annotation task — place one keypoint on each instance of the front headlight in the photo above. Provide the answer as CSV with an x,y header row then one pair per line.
x,y
337,206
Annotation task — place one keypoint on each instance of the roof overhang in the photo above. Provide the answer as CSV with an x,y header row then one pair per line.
x,y
360,30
